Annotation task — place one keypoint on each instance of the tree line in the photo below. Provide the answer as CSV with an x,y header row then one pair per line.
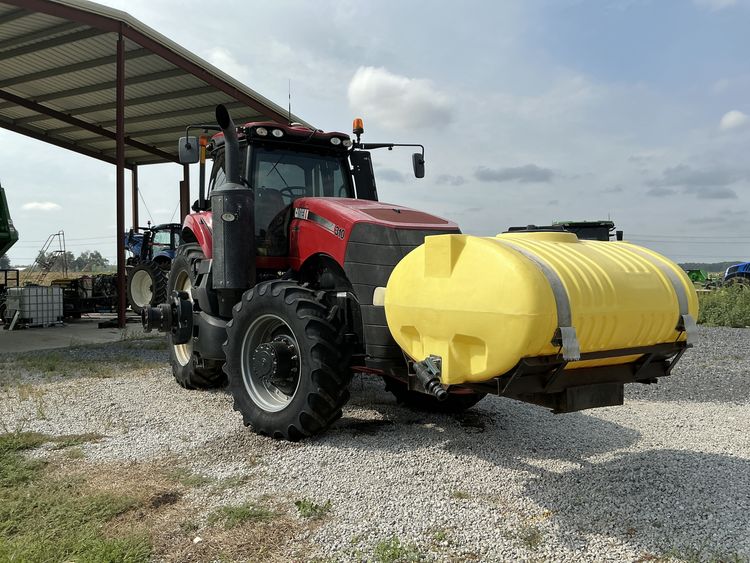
x,y
86,261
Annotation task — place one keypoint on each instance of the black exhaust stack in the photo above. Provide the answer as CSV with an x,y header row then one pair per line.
x,y
233,206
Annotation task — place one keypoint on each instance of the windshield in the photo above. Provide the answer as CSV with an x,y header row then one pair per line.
x,y
299,174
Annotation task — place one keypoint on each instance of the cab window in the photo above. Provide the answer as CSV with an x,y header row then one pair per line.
x,y
281,176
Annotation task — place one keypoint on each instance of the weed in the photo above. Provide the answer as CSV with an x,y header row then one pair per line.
x,y
393,551
231,483
531,536
75,453
440,536
311,510
188,527
45,519
187,478
728,306
460,495
70,440
232,516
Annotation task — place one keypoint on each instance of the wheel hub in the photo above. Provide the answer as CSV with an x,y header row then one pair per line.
x,y
275,363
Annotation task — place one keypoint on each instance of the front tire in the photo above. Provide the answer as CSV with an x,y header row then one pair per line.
x,y
182,356
147,286
284,361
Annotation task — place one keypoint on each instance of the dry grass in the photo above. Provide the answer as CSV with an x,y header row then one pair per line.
x,y
165,508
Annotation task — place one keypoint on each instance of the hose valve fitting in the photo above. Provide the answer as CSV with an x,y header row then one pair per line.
x,y
428,374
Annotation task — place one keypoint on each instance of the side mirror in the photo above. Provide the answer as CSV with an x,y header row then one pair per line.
x,y
418,163
189,150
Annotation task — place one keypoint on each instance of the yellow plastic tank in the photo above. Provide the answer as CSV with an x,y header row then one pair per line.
x,y
484,303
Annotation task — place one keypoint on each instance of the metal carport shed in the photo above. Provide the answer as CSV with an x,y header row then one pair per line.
x,y
97,81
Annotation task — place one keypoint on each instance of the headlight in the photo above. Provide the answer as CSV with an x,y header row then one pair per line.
x,y
335,141
347,143
278,133
262,131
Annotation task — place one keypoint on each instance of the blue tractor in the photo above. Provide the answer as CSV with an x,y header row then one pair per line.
x,y
738,274
152,252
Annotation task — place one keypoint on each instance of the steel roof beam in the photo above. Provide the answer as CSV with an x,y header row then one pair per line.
x,y
51,113
102,86
50,43
153,117
152,132
134,102
14,15
75,67
62,143
39,34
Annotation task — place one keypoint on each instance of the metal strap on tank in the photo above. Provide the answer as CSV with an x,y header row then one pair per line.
x,y
686,322
566,332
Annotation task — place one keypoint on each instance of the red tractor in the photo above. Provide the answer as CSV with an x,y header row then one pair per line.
x,y
274,289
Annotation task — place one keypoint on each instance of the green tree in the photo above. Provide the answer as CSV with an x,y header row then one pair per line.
x,y
90,261
4,262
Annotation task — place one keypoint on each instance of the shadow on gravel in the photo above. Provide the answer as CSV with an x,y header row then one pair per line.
x,y
687,504
501,431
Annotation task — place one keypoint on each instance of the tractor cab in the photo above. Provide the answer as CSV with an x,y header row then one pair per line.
x,y
282,164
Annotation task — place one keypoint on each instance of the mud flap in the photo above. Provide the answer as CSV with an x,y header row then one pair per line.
x,y
580,398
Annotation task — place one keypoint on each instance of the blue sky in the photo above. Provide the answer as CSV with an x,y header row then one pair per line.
x,y
530,112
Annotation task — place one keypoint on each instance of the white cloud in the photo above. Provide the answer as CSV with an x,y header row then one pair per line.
x,y
715,5
40,206
224,60
398,102
733,119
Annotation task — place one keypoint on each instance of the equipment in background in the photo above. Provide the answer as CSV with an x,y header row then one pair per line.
x,y
148,268
585,230
698,276
34,305
8,233
738,274
88,294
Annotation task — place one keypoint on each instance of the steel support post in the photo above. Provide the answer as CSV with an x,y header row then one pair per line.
x,y
185,193
120,159
134,195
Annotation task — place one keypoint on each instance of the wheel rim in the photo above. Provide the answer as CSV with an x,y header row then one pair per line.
x,y
141,288
184,352
263,330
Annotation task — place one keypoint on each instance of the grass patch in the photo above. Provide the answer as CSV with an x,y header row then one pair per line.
x,y
187,478
71,440
47,519
146,344
392,550
727,306
230,517
311,510
460,495
531,536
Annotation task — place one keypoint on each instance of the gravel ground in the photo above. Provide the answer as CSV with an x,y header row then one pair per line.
x,y
666,475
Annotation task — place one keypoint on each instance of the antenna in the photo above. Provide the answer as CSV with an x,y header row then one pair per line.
x,y
289,117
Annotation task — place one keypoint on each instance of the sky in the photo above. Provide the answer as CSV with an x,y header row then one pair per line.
x,y
530,112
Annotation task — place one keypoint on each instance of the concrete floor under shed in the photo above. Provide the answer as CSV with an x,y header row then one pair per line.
x,y
72,333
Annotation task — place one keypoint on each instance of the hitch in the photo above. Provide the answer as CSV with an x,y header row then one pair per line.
x,y
428,374
175,317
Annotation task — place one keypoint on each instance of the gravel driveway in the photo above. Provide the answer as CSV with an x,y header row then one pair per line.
x,y
666,476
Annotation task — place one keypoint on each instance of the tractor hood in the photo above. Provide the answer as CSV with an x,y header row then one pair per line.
x,y
344,213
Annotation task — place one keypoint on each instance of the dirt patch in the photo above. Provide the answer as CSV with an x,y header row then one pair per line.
x,y
178,524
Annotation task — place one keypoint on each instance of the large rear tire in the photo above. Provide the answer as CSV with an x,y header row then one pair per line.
x,y
147,286
455,403
285,362
182,356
